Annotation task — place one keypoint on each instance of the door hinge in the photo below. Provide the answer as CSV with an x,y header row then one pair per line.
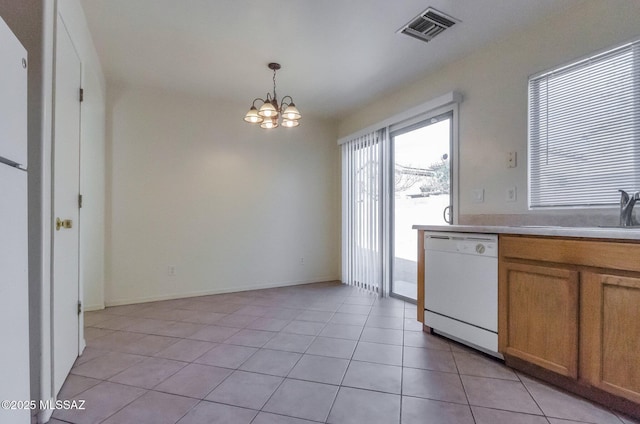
x,y
79,201
81,94
79,307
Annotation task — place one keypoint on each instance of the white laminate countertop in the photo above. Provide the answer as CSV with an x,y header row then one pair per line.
x,y
611,233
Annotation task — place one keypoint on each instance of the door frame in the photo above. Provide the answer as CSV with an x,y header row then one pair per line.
x,y
404,127
437,105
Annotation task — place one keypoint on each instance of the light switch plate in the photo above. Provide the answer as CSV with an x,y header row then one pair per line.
x,y
512,159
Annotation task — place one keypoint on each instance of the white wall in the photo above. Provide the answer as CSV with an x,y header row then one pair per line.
x,y
493,81
231,206
92,157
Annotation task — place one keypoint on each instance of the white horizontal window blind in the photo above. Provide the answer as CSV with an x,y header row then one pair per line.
x,y
584,131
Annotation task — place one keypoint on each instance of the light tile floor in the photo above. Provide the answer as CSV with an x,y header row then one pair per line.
x,y
325,353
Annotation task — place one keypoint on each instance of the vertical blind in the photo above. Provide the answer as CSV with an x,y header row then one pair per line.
x,y
364,197
584,130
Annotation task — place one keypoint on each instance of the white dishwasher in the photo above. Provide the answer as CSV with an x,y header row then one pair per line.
x,y
461,287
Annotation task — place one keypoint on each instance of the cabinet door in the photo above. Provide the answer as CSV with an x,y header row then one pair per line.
x,y
539,315
610,334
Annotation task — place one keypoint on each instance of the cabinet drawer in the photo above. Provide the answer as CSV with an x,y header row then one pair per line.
x,y
598,254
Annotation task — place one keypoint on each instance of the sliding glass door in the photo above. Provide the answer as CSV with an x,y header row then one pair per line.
x,y
421,193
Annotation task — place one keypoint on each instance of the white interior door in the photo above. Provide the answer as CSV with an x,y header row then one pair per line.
x,y
66,188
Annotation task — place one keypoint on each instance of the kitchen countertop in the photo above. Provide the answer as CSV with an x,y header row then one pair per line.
x,y
611,233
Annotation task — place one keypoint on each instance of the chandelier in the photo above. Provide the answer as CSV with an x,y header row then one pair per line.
x,y
271,115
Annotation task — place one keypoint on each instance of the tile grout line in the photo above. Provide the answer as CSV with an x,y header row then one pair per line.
x,y
464,389
359,340
347,370
333,402
287,375
532,397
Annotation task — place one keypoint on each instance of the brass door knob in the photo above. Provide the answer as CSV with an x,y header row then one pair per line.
x,y
67,223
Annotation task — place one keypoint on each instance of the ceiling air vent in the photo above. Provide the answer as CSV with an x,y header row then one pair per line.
x,y
427,25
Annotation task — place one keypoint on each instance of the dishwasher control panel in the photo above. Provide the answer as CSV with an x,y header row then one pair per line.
x,y
468,244
472,247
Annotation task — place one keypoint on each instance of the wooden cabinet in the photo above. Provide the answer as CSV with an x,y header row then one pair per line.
x,y
610,333
540,306
572,307
420,299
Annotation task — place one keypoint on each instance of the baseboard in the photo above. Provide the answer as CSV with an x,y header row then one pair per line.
x,y
89,308
172,296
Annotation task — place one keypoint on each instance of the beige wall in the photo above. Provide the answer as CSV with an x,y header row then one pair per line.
x,y
493,81
231,206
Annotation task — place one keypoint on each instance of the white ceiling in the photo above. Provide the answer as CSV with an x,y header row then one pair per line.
x,y
336,55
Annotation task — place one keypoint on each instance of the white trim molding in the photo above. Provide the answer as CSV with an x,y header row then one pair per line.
x,y
415,112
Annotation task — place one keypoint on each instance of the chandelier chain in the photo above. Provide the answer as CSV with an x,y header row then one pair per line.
x,y
274,84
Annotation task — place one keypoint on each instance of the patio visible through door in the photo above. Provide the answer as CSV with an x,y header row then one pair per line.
x,y
421,160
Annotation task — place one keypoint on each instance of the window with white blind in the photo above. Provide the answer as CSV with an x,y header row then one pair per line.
x,y
584,130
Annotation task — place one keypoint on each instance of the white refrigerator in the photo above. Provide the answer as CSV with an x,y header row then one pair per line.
x,y
14,303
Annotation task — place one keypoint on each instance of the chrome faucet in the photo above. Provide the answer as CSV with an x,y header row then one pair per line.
x,y
627,202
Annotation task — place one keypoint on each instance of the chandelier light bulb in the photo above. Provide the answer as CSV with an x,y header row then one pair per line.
x,y
269,123
290,123
291,112
252,116
267,110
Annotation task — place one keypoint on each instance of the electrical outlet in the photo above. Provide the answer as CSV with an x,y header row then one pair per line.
x,y
171,270
477,195
301,261
511,194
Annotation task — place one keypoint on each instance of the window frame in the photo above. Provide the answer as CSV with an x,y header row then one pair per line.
x,y
578,64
